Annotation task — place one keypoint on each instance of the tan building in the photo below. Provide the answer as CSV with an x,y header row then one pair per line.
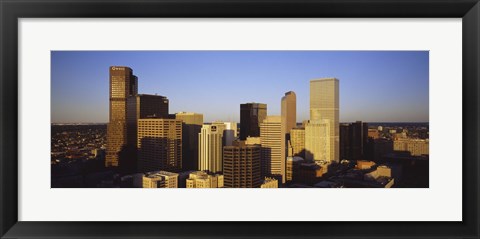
x,y
191,126
324,111
317,141
144,106
269,183
159,144
122,85
210,147
160,179
273,154
289,112
416,147
200,179
241,165
297,140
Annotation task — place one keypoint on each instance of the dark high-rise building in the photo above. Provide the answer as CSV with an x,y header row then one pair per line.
x,y
241,165
251,116
122,85
353,140
139,107
191,126
144,106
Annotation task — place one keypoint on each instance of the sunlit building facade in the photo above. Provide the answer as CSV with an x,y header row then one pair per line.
x,y
324,112
273,154
159,144
210,144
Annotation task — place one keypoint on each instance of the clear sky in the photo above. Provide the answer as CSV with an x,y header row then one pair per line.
x,y
375,86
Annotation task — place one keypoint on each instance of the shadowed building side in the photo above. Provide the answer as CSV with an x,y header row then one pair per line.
x,y
251,116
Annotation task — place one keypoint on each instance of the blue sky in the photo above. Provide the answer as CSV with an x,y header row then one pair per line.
x,y
375,86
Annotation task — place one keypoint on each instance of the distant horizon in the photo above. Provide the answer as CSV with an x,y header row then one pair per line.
x,y
399,122
375,86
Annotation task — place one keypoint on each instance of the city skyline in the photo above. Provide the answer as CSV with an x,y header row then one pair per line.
x,y
78,92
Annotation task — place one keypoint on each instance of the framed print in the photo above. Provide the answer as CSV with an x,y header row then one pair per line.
x,y
270,119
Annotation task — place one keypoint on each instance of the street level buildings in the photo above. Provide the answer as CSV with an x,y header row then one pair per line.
x,y
200,179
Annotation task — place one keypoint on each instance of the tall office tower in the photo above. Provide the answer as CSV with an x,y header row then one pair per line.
x,y
241,165
191,126
159,144
251,116
297,140
353,140
140,106
289,111
122,85
359,140
324,110
273,154
344,141
230,132
210,148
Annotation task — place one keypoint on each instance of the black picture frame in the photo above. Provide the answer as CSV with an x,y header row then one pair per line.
x,y
11,11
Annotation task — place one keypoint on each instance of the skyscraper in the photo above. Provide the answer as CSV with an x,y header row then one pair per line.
x,y
241,165
191,126
122,85
324,112
273,154
210,144
159,144
251,115
289,121
289,112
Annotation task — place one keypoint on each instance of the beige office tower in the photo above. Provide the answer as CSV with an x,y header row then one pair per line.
x,y
122,85
324,112
159,144
191,126
297,140
230,132
210,148
273,154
